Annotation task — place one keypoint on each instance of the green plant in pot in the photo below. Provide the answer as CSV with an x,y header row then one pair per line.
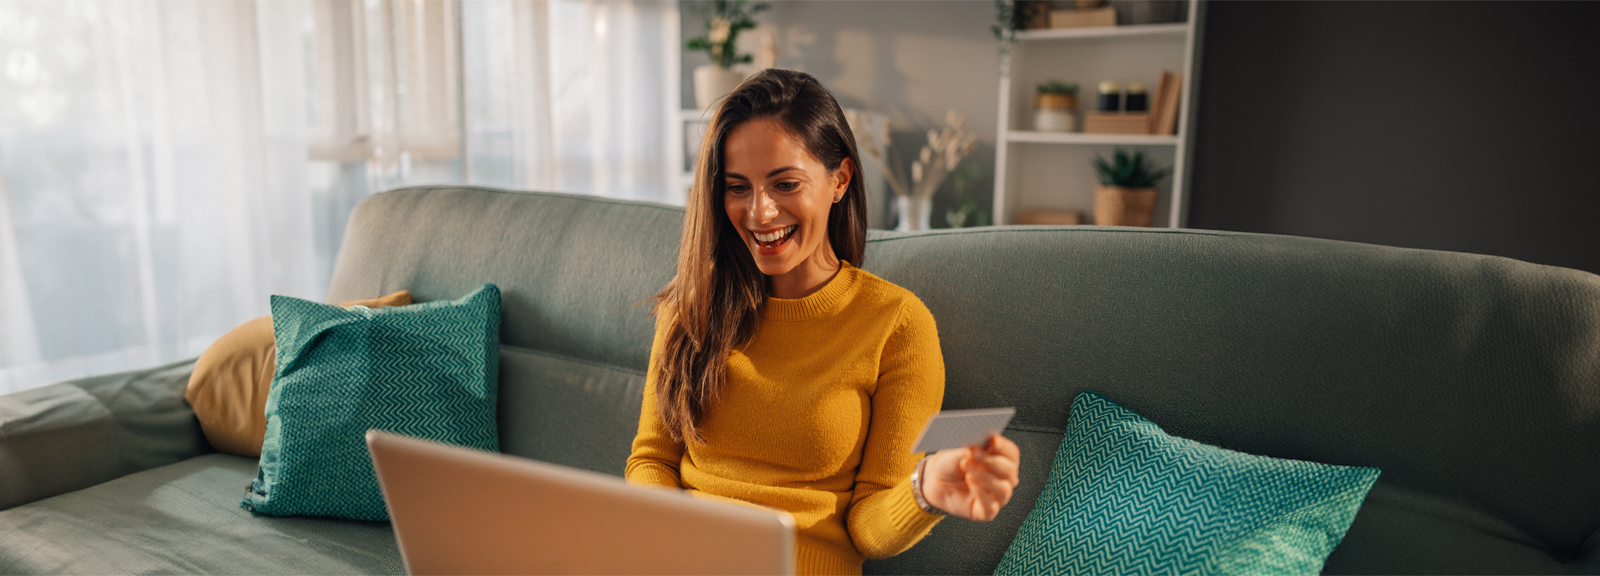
x,y
1126,195
966,199
1054,106
1058,95
725,19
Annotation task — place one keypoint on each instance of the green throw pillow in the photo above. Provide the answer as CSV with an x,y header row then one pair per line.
x,y
426,370
1124,497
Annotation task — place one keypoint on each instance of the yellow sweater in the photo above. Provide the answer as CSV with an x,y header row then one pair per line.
x,y
818,419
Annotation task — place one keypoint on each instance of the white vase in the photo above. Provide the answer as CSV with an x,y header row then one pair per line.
x,y
712,82
1045,120
914,213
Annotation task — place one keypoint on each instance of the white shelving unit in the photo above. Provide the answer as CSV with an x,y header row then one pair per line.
x,y
1052,169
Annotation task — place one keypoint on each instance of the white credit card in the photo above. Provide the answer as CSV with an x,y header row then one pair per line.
x,y
962,428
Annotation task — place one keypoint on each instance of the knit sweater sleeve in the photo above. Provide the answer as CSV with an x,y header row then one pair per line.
x,y
656,456
884,519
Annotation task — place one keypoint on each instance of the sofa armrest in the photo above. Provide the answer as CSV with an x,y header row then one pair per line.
x,y
76,434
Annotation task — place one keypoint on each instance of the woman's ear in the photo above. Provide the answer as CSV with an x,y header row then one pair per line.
x,y
841,176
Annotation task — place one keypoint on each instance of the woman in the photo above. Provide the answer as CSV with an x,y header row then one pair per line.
x,y
781,374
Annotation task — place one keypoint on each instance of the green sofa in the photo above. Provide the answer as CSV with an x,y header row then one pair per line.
x,y
1472,381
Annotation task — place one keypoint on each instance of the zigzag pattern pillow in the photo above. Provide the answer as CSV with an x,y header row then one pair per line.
x,y
425,370
1124,497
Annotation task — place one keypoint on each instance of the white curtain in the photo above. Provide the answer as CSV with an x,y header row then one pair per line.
x,y
166,165
572,96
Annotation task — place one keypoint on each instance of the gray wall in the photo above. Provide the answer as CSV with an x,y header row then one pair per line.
x,y
910,59
1464,126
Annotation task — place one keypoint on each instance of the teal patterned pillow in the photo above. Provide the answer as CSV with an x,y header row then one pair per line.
x,y
426,370
1124,497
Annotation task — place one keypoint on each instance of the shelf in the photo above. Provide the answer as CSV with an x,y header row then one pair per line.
x,y
1030,166
1177,29
1082,138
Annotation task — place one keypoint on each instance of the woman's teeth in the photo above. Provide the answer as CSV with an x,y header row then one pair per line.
x,y
775,236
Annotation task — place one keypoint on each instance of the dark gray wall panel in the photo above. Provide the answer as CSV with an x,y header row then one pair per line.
x,y
1467,126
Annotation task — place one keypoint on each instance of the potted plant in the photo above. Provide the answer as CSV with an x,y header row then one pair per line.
x,y
724,20
1126,195
1054,106
966,198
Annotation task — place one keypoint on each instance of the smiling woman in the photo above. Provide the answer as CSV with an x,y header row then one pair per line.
x,y
782,375
797,199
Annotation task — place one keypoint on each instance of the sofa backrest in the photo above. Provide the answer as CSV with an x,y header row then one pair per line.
x,y
1473,382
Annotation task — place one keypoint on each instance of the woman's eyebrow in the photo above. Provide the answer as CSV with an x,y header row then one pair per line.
x,y
774,172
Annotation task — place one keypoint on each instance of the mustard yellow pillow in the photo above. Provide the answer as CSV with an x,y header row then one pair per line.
x,y
229,386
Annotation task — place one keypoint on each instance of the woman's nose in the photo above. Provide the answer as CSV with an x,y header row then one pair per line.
x,y
761,207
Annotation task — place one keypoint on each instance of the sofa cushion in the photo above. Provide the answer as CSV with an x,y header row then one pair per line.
x,y
185,518
567,411
76,434
427,370
1126,497
229,386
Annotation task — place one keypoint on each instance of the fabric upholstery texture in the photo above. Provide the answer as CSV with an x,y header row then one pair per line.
x,y
231,379
427,370
554,395
185,518
1472,381
76,434
1124,497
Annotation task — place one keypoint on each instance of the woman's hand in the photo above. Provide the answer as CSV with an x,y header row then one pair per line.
x,y
973,482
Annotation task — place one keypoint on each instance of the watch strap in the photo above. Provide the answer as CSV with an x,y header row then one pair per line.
x,y
916,488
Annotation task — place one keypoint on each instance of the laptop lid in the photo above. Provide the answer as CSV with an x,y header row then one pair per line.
x,y
457,510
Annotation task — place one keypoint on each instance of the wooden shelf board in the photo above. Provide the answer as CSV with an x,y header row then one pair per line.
x,y
1082,138
1176,29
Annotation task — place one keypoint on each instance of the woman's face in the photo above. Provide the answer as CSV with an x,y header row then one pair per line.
x,y
778,196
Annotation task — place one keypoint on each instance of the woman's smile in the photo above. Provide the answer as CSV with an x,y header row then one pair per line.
x,y
772,242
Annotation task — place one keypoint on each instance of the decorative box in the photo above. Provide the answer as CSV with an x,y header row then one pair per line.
x,y
1116,123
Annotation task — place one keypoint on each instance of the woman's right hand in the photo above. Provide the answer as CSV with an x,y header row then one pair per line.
x,y
973,482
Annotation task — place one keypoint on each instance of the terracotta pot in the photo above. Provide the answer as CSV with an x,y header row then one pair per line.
x,y
1118,206
1065,102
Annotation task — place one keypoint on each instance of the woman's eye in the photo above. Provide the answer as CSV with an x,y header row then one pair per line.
x,y
737,188
788,186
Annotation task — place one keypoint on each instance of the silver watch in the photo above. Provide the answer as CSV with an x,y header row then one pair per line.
x,y
916,488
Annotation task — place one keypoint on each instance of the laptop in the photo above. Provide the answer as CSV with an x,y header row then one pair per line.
x,y
457,510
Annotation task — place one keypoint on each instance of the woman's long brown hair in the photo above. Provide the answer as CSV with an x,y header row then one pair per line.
x,y
713,304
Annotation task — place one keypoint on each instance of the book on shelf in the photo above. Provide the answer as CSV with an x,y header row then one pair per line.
x,y
1164,116
1156,101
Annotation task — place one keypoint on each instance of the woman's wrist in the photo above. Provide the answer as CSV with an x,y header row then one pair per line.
x,y
916,488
